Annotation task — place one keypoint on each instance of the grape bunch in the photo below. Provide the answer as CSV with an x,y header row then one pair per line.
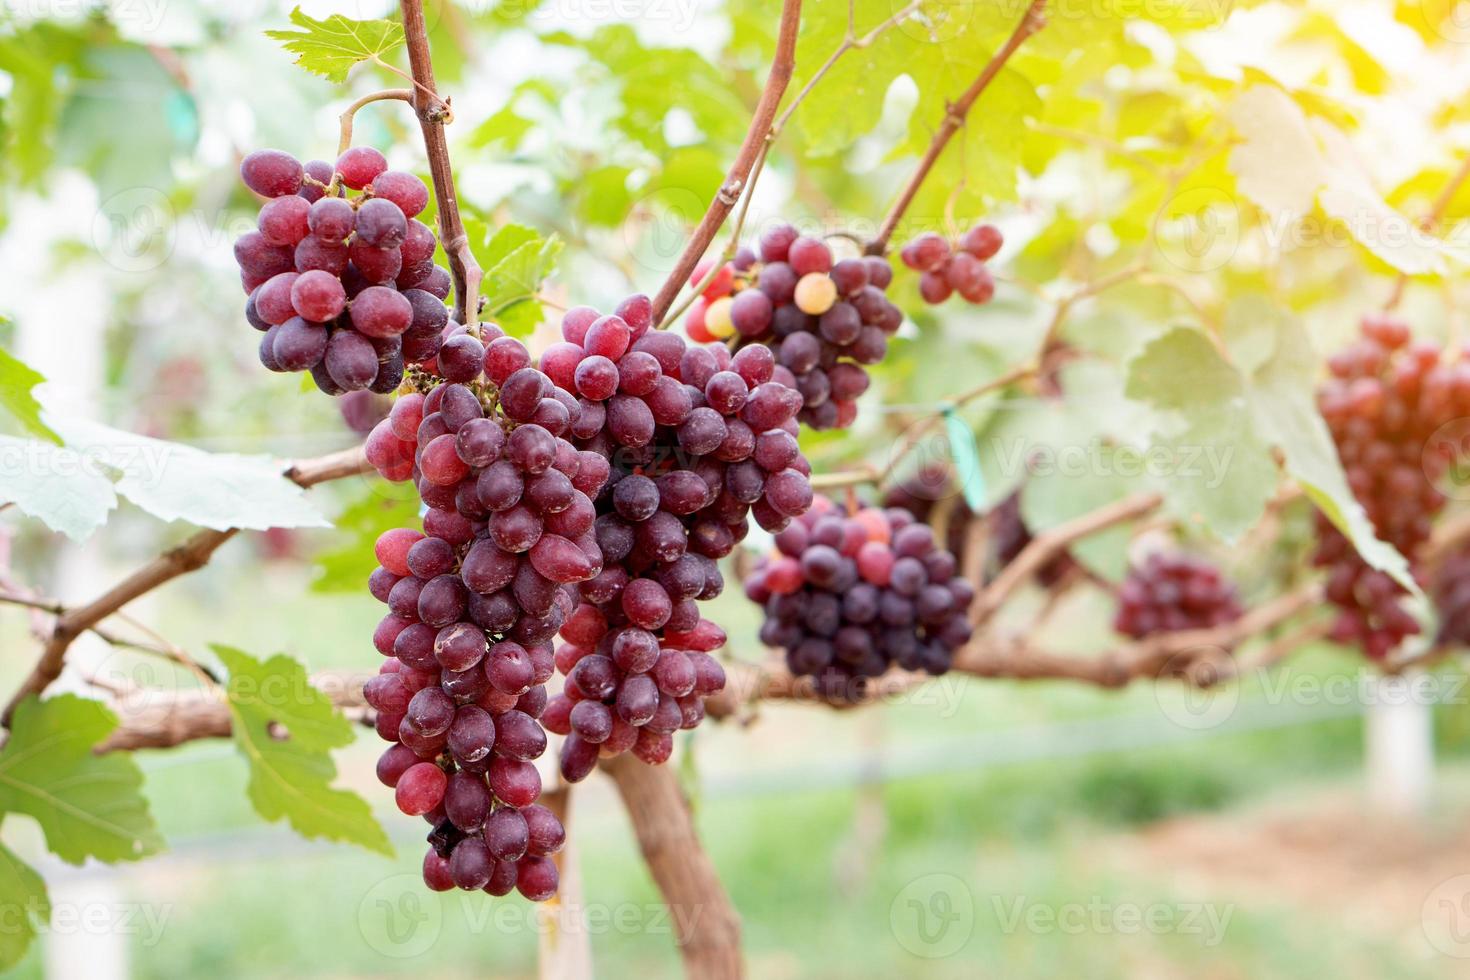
x,y
697,442
343,287
920,492
824,319
1171,591
1451,592
847,596
945,270
1384,401
474,603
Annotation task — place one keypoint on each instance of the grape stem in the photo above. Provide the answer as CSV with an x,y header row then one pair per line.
x,y
432,112
845,478
345,140
1200,657
164,651
1051,543
1031,21
193,554
850,41
738,177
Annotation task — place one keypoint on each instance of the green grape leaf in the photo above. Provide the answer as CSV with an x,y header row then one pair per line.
x,y
654,81
36,60
521,318
175,482
381,507
503,241
515,280
333,47
88,805
1214,468
62,488
24,904
285,728
16,381
501,130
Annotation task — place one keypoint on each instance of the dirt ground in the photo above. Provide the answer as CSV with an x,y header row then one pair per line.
x,y
1402,879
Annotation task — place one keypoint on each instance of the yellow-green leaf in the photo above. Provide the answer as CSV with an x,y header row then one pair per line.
x,y
16,381
285,728
332,47
23,903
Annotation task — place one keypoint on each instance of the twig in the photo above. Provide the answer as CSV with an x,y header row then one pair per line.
x,y
1067,303
728,253
845,478
165,651
916,432
1052,542
1163,654
156,719
850,42
432,111
1101,143
1286,644
193,554
739,174
345,140
1031,22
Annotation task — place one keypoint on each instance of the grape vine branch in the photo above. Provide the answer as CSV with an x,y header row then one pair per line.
x,y
782,66
433,111
1031,21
